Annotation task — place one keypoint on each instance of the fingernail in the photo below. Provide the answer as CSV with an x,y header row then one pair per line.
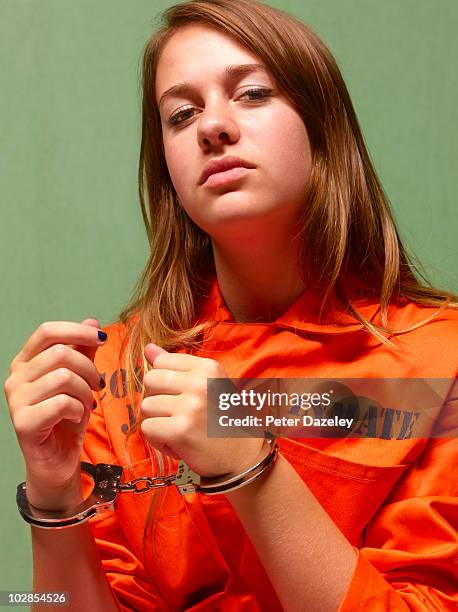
x,y
102,336
94,405
102,383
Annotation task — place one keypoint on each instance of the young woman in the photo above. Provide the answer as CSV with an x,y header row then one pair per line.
x,y
273,255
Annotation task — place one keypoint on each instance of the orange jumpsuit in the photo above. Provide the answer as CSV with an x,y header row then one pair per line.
x,y
394,499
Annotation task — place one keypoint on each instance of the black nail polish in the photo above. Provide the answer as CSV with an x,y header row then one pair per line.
x,y
102,336
94,405
102,383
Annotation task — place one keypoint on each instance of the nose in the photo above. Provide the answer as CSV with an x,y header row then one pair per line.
x,y
217,126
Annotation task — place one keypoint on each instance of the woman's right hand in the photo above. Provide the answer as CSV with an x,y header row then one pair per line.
x,y
49,396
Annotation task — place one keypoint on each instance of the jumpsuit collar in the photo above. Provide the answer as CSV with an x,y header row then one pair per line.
x,y
302,315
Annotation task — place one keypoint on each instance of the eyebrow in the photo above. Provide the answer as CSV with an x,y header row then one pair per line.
x,y
231,73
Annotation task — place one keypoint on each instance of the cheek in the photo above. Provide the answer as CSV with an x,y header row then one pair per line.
x,y
180,168
287,143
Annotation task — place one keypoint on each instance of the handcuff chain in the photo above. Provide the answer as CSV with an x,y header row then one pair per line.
x,y
152,482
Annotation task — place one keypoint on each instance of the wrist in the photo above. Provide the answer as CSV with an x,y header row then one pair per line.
x,y
243,496
236,460
247,463
226,483
52,497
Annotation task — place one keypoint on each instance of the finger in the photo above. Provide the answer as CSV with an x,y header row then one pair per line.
x,y
152,351
59,332
166,450
41,418
89,351
171,361
59,356
158,406
164,381
159,432
54,383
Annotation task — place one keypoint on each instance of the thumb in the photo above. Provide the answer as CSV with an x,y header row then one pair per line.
x,y
152,351
92,322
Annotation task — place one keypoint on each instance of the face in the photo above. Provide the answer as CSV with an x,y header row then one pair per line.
x,y
239,114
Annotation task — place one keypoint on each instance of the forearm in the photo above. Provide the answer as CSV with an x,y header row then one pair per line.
x,y
308,560
67,560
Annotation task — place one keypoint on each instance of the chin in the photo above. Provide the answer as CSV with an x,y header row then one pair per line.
x,y
234,222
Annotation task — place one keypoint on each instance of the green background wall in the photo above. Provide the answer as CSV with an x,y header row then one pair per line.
x,y
71,237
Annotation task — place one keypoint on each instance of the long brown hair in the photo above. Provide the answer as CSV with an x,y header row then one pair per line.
x,y
347,229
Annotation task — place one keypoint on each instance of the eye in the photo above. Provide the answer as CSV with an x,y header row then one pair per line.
x,y
178,117
185,113
263,92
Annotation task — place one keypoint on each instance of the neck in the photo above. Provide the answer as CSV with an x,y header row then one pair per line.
x,y
259,278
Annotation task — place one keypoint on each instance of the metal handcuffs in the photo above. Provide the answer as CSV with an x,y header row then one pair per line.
x,y
107,485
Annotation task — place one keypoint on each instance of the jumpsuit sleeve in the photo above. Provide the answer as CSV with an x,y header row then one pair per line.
x,y
129,581
408,559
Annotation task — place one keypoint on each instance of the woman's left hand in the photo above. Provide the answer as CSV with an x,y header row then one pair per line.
x,y
175,415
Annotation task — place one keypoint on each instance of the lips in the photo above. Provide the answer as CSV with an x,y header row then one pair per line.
x,y
222,165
